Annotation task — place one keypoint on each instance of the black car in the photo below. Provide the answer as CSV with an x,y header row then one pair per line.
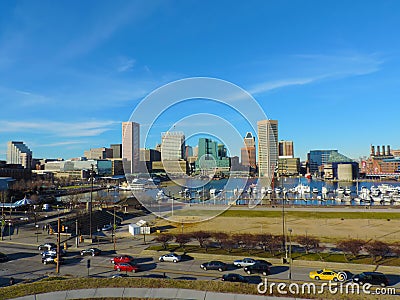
x,y
374,278
260,268
3,257
214,265
264,262
232,277
91,251
51,260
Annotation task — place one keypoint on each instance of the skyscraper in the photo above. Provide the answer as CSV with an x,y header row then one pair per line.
x,y
248,152
286,149
267,147
172,145
19,153
130,147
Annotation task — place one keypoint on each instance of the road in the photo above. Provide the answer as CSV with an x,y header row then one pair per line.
x,y
26,263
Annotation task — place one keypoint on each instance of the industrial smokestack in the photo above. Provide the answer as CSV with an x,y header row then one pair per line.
x,y
388,150
378,150
383,150
372,150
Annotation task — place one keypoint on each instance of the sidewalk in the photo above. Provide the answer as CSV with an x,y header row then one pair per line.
x,y
152,293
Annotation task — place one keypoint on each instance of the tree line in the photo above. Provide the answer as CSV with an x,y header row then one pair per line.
x,y
274,244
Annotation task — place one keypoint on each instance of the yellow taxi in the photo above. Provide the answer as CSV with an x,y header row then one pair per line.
x,y
325,274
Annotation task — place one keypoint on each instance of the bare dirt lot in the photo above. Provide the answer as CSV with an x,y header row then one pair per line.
x,y
328,229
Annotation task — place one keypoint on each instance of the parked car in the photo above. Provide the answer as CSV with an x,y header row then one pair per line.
x,y
232,277
126,267
122,259
91,251
214,265
47,246
170,257
324,274
263,262
374,278
244,262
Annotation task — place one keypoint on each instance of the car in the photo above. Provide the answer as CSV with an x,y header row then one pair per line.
x,y
232,277
107,227
260,268
47,246
51,260
170,257
122,259
324,274
91,251
263,262
119,275
3,257
244,262
374,278
214,265
126,267
53,252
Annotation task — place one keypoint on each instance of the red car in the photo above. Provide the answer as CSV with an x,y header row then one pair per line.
x,y
122,259
126,267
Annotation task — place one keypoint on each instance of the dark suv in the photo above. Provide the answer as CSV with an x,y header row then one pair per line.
x,y
374,278
214,265
260,268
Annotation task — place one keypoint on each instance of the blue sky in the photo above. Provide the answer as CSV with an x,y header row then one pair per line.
x,y
72,71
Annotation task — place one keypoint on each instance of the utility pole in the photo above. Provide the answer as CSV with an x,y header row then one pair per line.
x,y
76,233
114,227
58,246
91,202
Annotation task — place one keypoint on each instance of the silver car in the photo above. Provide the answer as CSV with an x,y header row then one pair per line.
x,y
170,257
245,262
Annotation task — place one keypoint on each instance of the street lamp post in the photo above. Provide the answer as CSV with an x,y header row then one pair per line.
x,y
37,233
91,202
290,253
98,233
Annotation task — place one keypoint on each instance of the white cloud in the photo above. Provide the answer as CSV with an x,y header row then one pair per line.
x,y
61,129
126,64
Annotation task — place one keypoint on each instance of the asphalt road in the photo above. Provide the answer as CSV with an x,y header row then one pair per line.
x,y
26,263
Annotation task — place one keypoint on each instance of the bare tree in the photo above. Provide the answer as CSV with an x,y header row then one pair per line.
x,y
395,248
182,239
164,238
219,237
351,246
201,237
308,242
376,249
228,244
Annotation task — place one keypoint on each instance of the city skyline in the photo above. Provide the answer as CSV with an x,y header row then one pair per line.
x,y
328,75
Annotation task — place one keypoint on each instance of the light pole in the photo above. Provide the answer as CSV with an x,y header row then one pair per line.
x,y
98,233
290,253
91,201
37,233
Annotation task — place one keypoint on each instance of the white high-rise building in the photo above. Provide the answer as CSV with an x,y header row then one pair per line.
x,y
130,147
267,147
19,153
172,145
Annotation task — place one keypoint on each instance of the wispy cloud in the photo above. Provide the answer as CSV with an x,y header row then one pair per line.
x,y
64,143
61,129
318,67
271,85
125,64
